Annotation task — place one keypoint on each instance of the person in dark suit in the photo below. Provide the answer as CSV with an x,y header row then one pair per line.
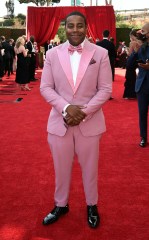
x,y
25,39
12,54
6,56
1,61
142,85
46,44
1,66
105,43
51,45
32,62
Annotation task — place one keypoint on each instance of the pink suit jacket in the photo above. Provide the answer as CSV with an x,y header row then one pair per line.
x,y
93,87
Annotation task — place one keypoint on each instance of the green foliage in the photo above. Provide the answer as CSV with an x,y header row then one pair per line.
x,y
8,22
119,18
122,25
21,16
123,22
61,33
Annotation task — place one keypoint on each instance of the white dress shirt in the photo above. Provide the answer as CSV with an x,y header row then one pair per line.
x,y
74,61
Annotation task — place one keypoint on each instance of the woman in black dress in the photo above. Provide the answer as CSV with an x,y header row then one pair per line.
x,y
22,71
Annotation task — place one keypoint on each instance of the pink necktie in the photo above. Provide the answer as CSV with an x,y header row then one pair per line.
x,y
78,48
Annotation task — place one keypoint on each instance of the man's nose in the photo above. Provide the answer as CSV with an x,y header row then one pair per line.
x,y
75,29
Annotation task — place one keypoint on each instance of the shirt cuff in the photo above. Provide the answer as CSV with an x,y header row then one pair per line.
x,y
64,113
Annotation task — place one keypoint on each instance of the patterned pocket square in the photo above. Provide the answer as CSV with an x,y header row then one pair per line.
x,y
92,61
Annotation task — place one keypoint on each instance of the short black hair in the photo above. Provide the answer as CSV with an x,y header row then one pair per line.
x,y
76,13
106,33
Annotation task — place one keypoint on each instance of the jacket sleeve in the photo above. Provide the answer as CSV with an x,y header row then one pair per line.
x,y
47,87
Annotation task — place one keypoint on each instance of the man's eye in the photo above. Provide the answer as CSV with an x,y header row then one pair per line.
x,y
71,26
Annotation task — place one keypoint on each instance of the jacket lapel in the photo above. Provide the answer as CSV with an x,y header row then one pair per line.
x,y
65,63
87,54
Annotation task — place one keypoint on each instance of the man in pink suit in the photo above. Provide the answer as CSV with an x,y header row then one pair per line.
x,y
76,81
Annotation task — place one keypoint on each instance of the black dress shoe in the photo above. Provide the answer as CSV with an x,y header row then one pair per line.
x,y
54,215
93,216
143,142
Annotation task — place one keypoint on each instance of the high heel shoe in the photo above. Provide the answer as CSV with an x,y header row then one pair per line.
x,y
22,88
27,89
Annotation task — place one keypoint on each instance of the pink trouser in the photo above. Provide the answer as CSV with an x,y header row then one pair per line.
x,y
63,150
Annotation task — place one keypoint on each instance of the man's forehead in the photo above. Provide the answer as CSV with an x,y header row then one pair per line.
x,y
75,18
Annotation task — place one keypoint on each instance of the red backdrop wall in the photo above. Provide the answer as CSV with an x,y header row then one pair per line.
x,y
43,22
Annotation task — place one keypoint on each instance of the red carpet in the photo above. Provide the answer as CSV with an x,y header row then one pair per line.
x,y
27,175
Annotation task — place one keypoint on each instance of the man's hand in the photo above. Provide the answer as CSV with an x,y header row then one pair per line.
x,y
74,115
144,65
70,121
75,112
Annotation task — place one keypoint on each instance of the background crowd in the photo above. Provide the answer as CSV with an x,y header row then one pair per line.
x,y
19,56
